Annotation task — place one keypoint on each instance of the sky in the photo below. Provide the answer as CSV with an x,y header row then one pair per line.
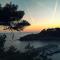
x,y
41,14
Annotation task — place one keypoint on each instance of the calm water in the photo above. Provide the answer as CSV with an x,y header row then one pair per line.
x,y
20,45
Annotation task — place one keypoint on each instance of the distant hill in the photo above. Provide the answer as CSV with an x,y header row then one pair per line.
x,y
52,34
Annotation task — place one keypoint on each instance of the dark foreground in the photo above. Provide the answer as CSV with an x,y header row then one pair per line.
x,y
31,53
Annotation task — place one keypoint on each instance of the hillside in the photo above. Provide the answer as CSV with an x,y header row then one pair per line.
x,y
52,34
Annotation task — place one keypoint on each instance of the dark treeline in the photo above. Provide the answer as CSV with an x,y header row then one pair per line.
x,y
13,54
52,34
8,15
31,53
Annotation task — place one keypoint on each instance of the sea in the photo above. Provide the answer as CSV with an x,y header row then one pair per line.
x,y
12,40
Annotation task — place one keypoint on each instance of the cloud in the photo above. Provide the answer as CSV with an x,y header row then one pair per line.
x,y
3,2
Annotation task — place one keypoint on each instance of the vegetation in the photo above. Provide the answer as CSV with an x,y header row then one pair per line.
x,y
52,34
31,53
12,18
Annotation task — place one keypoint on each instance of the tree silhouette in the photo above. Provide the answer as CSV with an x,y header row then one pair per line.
x,y
2,41
28,47
9,13
19,26
11,18
12,54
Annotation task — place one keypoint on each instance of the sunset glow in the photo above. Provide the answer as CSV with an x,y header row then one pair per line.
x,y
41,14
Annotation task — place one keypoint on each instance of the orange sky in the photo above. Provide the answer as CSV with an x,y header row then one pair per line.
x,y
41,14
37,28
37,24
33,28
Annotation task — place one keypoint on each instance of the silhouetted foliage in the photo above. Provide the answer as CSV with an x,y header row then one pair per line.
x,y
12,54
9,13
2,42
19,26
11,17
32,53
29,46
41,53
